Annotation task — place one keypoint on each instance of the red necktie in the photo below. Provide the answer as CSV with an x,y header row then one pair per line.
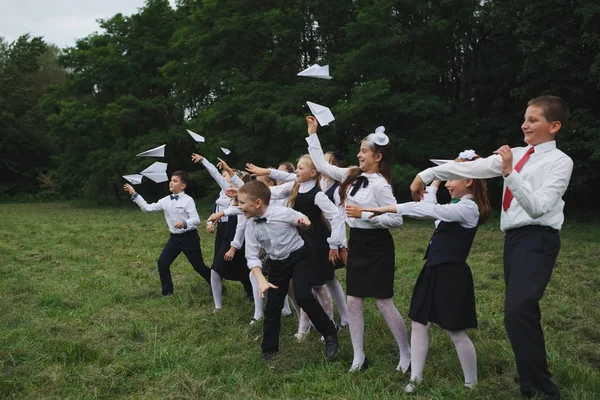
x,y
508,196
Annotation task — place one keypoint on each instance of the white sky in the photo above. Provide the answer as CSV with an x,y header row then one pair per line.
x,y
60,21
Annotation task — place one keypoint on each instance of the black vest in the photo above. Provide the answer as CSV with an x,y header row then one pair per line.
x,y
305,203
450,242
329,193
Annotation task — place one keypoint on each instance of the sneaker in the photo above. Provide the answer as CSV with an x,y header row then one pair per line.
x,y
268,356
412,386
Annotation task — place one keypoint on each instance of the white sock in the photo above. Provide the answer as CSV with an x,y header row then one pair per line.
x,y
286,306
398,329
217,289
466,355
356,323
258,302
335,288
419,341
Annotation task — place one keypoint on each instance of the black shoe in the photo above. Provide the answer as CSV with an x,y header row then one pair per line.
x,y
268,356
167,294
331,346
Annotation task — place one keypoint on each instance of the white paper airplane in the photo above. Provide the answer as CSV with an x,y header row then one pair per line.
x,y
155,152
316,71
439,162
156,172
134,179
196,137
321,113
226,151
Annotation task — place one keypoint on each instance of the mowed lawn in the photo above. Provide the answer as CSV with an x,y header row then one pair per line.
x,y
81,316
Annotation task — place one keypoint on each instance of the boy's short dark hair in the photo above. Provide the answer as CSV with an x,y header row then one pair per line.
x,y
257,190
554,108
183,176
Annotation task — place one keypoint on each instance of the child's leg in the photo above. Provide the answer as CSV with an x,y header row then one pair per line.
x,y
258,302
286,306
279,276
335,288
217,289
398,328
419,346
191,248
167,256
466,355
324,297
356,322
248,287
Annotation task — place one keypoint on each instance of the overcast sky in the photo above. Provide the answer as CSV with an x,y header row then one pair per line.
x,y
59,21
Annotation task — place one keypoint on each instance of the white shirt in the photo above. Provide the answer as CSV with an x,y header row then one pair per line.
x,y
465,212
223,201
278,235
377,193
183,209
330,211
240,232
537,189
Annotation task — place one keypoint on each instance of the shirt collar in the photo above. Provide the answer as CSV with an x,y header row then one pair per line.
x,y
544,147
307,186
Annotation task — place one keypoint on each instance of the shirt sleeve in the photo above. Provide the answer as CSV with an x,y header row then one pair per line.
x,y
431,195
290,215
482,168
538,202
336,220
252,248
193,219
318,158
464,212
240,231
145,207
233,210
384,196
282,176
223,200
216,175
282,191
237,181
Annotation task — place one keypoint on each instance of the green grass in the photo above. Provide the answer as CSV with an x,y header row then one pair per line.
x,y
81,316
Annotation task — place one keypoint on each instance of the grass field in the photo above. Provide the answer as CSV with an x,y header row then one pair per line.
x,y
81,316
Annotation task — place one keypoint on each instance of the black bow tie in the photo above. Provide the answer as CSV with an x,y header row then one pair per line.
x,y
176,197
260,220
361,181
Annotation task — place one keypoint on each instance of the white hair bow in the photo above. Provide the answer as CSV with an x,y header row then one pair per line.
x,y
467,154
379,137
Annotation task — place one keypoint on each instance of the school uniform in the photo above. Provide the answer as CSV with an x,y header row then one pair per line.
x,y
276,232
319,238
371,253
531,221
180,207
444,292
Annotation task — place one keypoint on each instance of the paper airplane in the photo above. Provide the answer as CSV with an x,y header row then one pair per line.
x,y
316,71
439,162
134,179
321,113
226,151
156,172
155,152
196,137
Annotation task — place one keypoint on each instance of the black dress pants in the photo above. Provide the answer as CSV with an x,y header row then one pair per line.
x,y
189,244
529,256
296,267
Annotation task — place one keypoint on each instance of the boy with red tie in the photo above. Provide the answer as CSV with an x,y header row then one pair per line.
x,y
535,179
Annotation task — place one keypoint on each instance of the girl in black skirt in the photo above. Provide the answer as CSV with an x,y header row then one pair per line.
x,y
371,255
444,291
229,261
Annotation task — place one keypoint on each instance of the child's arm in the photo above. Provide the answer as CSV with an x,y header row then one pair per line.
x,y
263,284
430,195
212,170
295,218
336,220
238,239
254,264
193,219
139,200
282,176
281,191
383,195
318,157
465,212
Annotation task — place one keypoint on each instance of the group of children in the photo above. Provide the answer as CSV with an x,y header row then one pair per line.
x,y
291,227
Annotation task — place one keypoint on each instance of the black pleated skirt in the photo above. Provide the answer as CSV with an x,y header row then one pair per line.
x,y
444,295
236,269
371,263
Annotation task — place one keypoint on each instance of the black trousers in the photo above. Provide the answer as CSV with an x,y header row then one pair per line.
x,y
297,268
189,244
529,257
